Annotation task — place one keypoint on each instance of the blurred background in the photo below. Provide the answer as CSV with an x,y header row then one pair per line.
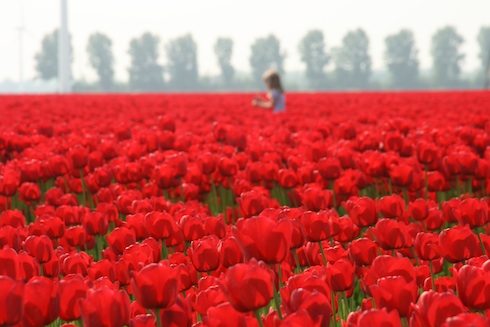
x,y
225,46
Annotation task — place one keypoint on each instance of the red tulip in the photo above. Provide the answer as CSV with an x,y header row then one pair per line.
x,y
204,253
320,226
9,263
192,227
341,275
436,182
427,152
362,211
329,168
227,167
363,251
95,223
29,192
39,247
264,238
28,266
434,308
178,314
8,184
473,285
315,199
14,218
288,179
102,268
317,305
473,212
105,307
11,237
138,255
11,299
41,301
347,230
210,297
156,285
78,156
395,292
230,252
225,315
391,234
392,206
120,238
252,203
384,266
459,243
310,280
467,319
419,209
143,320
374,317
160,225
253,277
72,289
401,174
427,246
75,263
164,176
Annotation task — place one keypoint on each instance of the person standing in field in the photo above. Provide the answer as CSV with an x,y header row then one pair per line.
x,y
276,99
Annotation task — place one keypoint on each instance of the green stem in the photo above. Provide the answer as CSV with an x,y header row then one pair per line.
x,y
334,314
432,276
481,242
159,318
84,199
259,319
426,182
405,196
277,301
279,275
322,252
214,196
164,254
296,259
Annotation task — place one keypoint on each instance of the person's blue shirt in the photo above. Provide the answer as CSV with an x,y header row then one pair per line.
x,y
279,99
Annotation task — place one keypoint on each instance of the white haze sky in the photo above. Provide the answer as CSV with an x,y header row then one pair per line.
x,y
243,21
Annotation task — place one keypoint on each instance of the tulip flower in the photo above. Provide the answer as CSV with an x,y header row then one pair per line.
x,y
105,307
11,299
253,277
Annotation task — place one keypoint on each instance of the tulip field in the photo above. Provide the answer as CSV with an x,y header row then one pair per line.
x,y
349,209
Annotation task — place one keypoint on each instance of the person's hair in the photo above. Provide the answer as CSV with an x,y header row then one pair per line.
x,y
272,79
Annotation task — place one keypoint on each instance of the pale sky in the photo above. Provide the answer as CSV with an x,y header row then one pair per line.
x,y
243,21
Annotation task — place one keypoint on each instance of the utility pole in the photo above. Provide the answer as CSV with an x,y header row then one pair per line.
x,y
487,72
21,29
64,56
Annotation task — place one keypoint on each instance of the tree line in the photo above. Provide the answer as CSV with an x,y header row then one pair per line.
x,y
351,61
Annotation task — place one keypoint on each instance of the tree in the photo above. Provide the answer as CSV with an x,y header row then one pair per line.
x,y
484,55
401,59
223,50
182,63
101,59
352,60
266,54
312,51
145,73
47,57
446,58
